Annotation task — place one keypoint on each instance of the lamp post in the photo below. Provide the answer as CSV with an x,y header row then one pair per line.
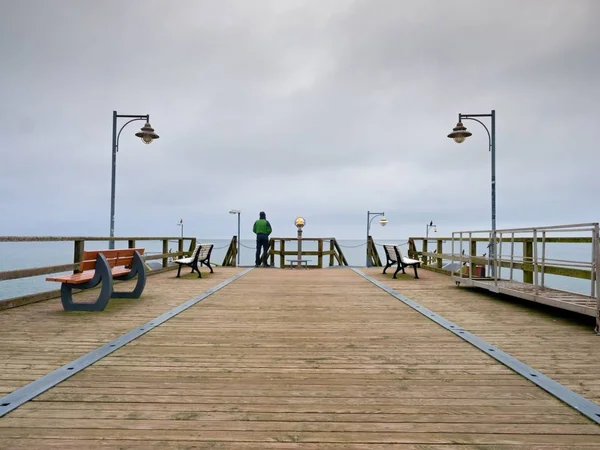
x,y
383,221
238,212
459,134
180,224
147,135
299,222
428,226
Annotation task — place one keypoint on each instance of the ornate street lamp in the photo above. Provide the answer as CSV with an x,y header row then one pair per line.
x,y
459,134
147,135
383,222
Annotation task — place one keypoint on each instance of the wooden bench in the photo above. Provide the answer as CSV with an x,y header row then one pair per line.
x,y
394,256
102,267
291,262
200,256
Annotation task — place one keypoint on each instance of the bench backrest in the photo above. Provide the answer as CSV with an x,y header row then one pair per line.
x,y
390,252
400,255
205,250
196,250
115,258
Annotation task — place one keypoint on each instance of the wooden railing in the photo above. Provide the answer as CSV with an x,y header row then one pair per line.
x,y
279,254
433,260
79,243
372,253
230,258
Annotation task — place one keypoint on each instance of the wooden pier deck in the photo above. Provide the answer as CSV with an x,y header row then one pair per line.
x,y
299,359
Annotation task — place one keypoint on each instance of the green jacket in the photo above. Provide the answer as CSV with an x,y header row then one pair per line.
x,y
262,226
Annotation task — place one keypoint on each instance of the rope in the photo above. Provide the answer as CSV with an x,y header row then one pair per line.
x,y
381,245
219,248
246,246
352,246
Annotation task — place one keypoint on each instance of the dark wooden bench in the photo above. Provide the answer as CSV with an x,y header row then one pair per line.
x,y
394,256
200,256
304,262
102,267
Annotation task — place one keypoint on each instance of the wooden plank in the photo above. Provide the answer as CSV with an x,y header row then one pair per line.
x,y
294,359
63,444
121,436
43,336
560,344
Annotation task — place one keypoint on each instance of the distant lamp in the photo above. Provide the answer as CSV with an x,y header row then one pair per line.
x,y
459,133
383,221
147,134
428,226
300,222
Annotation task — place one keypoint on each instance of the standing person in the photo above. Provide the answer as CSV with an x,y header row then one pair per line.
x,y
262,229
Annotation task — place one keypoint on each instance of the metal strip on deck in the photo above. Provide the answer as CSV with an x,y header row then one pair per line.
x,y
576,401
41,385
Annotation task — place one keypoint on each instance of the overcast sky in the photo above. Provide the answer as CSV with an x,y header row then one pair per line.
x,y
322,108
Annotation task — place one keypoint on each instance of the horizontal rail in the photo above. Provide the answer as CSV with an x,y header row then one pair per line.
x,y
304,252
564,240
572,227
88,238
527,266
287,239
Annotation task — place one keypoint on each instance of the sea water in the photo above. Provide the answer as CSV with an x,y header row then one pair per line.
x,y
23,255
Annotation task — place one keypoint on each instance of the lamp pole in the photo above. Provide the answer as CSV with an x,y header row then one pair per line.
x,y
147,135
238,212
427,227
459,134
180,223
383,222
299,222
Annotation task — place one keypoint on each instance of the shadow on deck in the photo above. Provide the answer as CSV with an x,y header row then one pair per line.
x,y
299,359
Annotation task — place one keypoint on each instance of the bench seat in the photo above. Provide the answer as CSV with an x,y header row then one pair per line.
x,y
84,277
394,256
101,267
200,256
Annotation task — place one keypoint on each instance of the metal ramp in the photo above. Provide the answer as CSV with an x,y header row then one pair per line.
x,y
526,258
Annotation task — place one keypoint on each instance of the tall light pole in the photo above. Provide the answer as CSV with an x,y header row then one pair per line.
x,y
238,212
459,134
180,224
147,135
383,221
428,226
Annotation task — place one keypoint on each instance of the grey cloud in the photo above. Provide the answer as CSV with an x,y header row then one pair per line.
x,y
325,109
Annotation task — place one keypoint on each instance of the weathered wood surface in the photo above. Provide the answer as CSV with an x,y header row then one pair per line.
x,y
39,338
558,343
299,359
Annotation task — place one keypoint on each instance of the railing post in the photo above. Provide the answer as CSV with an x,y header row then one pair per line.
x,y
180,249
320,256
439,251
594,272
527,260
282,254
192,246
423,255
271,251
78,253
234,248
473,253
165,250
331,253
535,261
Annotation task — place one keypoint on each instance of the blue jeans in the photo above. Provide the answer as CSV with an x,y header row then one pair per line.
x,y
262,243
